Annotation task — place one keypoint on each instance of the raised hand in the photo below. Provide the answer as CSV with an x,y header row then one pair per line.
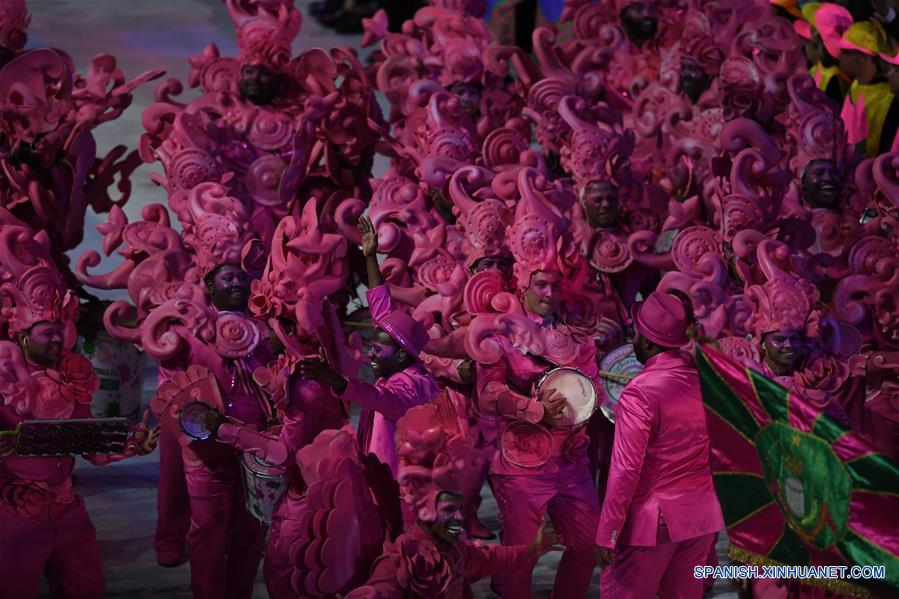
x,y
369,237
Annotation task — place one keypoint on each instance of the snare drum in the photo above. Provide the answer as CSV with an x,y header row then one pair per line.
x,y
620,365
264,485
578,390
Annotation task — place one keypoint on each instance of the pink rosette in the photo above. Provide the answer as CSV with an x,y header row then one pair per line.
x,y
821,379
270,131
48,402
76,378
235,335
31,499
421,568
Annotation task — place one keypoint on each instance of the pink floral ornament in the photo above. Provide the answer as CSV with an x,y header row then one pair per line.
x,y
14,20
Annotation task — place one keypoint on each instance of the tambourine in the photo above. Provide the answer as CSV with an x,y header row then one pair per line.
x,y
192,420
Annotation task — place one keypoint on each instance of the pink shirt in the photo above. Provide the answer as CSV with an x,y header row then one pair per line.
x,y
660,459
388,399
505,391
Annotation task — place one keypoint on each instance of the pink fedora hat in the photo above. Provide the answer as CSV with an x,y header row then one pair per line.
x,y
405,330
662,319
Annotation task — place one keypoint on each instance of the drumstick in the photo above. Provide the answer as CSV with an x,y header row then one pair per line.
x,y
615,375
358,325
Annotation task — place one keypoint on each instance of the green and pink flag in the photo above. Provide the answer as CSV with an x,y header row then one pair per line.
x,y
797,488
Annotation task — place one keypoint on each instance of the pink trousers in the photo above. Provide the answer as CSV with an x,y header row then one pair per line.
x,y
666,569
60,543
172,502
570,499
225,542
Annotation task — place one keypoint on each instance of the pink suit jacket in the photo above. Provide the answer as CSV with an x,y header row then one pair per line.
x,y
660,459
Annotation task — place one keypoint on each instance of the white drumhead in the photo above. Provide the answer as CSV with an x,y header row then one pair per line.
x,y
578,391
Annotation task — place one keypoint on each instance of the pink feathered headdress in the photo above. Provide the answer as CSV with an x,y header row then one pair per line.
x,y
265,30
434,459
32,290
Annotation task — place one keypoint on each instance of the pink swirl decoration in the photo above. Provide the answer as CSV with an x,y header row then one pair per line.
x,y
436,271
868,252
691,245
480,291
235,335
264,178
220,75
740,348
504,146
485,225
190,167
610,252
270,130
531,241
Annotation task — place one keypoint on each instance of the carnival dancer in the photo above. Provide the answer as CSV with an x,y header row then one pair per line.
x,y
539,468
45,529
402,380
431,559
660,515
309,258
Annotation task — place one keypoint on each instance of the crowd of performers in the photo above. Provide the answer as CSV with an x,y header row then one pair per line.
x,y
654,173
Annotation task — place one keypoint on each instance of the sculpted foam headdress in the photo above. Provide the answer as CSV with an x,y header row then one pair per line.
x,y
218,229
307,264
14,19
265,30
598,150
434,459
539,238
32,290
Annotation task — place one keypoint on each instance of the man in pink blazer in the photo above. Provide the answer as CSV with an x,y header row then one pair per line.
x,y
661,515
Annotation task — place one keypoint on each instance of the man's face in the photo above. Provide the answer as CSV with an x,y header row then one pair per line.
x,y
814,48
258,84
228,288
784,348
641,348
857,65
499,263
892,73
693,80
544,294
42,343
469,95
387,357
448,525
640,21
822,184
599,201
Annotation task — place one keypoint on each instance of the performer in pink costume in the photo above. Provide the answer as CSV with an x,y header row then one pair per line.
x,y
44,527
306,258
660,514
432,560
402,380
538,469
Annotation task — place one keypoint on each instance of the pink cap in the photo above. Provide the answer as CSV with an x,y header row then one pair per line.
x,y
832,21
662,319
405,330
